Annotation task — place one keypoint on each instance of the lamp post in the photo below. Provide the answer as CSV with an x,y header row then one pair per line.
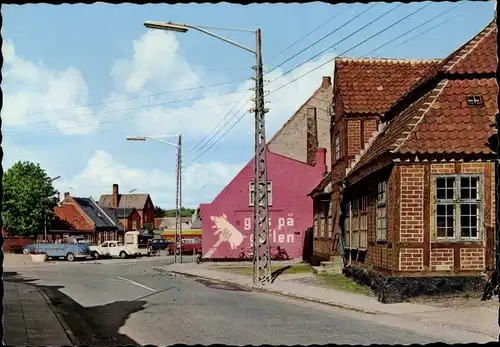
x,y
45,215
261,254
178,196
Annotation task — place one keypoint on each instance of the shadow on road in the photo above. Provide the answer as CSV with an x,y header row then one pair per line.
x,y
96,325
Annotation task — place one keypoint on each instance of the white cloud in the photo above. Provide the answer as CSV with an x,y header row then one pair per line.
x,y
44,90
200,182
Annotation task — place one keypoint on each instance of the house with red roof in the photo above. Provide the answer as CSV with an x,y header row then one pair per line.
x,y
363,90
83,217
418,201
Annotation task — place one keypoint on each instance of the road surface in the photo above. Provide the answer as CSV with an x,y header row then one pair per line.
x,y
134,302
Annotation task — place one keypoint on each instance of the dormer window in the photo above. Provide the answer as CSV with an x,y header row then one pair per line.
x,y
475,100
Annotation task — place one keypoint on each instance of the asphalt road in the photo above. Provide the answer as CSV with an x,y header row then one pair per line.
x,y
131,302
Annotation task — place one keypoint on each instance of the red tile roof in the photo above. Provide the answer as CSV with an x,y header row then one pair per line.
x,y
69,217
477,56
441,121
373,85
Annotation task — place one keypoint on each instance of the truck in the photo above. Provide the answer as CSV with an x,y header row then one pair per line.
x,y
138,243
69,250
110,249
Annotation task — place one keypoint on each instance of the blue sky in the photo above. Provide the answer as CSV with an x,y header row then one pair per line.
x,y
79,79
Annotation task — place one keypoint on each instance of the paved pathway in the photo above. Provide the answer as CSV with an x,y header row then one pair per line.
x,y
122,302
29,319
479,318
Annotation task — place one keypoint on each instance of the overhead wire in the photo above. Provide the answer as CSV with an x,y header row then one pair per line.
x,y
348,50
321,39
336,43
357,45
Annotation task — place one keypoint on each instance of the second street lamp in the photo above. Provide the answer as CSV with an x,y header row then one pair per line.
x,y
261,253
178,195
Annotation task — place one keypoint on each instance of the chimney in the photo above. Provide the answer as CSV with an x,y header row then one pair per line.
x,y
327,82
312,135
115,201
321,159
66,194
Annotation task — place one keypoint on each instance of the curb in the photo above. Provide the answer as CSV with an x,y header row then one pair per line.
x,y
71,336
276,292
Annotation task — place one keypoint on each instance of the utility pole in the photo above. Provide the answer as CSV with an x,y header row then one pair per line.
x,y
261,254
179,195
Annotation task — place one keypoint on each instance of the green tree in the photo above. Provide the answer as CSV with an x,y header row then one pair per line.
x,y
29,199
159,212
185,212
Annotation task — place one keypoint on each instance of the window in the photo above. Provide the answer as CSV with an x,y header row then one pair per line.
x,y
457,207
355,223
337,147
251,190
134,225
363,223
382,211
475,100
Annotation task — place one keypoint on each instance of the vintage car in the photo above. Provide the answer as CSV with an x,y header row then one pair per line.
x,y
69,250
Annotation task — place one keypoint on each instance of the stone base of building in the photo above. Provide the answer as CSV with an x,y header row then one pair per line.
x,y
390,289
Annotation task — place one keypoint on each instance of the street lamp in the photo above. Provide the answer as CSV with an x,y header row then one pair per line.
x,y
178,197
261,254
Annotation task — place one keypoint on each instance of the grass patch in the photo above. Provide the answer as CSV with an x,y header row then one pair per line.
x,y
248,270
344,284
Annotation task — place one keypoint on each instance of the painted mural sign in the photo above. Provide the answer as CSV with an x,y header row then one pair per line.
x,y
281,233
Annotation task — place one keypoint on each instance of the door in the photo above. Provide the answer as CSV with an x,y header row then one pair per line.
x,y
113,249
104,248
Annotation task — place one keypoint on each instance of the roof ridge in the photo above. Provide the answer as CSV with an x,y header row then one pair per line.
x,y
458,55
439,89
100,209
387,60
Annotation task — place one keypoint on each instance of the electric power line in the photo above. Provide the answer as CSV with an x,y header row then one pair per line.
x,y
227,114
336,43
414,28
309,33
350,49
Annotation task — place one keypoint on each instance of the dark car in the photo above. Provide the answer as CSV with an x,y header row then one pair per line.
x,y
157,245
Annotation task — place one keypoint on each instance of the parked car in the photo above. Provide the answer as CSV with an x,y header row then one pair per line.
x,y
110,249
70,250
156,245
187,246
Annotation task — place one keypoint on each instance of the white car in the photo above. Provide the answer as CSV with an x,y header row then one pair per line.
x,y
110,249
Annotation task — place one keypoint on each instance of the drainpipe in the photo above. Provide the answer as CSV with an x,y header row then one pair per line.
x,y
350,232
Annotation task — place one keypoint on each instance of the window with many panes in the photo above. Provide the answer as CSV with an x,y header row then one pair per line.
x,y
251,191
382,211
337,147
355,223
363,222
457,207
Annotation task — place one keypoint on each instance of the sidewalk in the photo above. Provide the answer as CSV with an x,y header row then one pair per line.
x,y
482,318
29,319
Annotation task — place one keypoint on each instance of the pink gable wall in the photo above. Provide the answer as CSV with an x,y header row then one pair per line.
x,y
291,212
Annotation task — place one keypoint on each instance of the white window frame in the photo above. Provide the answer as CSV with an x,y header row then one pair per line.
x,y
336,141
134,224
381,214
457,202
251,192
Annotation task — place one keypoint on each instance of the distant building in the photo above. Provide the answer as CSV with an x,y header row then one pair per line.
x,y
141,202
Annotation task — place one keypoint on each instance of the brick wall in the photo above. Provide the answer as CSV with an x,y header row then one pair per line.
x,y
369,127
441,259
472,259
411,203
353,137
312,135
411,259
